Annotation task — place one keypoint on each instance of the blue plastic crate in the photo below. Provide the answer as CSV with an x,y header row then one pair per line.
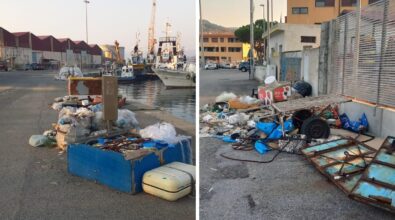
x,y
111,169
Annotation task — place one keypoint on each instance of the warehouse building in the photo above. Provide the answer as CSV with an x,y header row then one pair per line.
x,y
21,48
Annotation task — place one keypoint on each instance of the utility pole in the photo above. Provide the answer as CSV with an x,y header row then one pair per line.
x,y
201,35
263,28
251,52
86,19
268,33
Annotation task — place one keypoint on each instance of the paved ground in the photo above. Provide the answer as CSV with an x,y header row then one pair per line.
x,y
288,188
34,182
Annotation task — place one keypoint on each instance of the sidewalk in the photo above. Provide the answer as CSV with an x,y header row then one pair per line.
x,y
34,182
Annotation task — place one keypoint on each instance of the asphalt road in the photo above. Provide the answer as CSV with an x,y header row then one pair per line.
x,y
34,183
288,188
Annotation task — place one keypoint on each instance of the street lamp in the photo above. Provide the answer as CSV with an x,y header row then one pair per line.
x,y
263,29
251,52
86,19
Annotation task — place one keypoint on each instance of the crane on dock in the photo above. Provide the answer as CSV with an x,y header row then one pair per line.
x,y
151,35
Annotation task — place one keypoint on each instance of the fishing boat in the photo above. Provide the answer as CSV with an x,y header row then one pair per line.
x,y
125,75
137,59
171,66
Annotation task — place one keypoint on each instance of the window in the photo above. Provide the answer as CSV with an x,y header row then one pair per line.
x,y
349,3
324,3
231,40
372,1
301,10
211,49
222,39
223,49
214,40
205,39
234,49
308,39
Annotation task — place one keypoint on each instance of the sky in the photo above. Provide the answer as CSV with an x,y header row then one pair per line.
x,y
235,13
107,20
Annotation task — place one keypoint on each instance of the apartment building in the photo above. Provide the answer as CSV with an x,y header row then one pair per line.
x,y
319,11
222,47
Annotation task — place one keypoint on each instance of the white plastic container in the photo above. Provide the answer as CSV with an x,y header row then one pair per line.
x,y
171,182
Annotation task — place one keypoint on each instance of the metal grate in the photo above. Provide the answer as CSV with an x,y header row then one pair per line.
x,y
362,55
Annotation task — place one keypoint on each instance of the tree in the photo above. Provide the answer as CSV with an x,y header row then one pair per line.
x,y
243,34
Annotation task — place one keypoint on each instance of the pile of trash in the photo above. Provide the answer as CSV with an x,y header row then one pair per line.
x,y
81,118
134,145
254,124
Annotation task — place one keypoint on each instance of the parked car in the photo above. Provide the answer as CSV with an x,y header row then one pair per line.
x,y
3,66
244,66
211,66
224,65
37,66
27,67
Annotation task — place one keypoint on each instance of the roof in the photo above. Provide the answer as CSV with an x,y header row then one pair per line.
x,y
44,37
8,38
18,34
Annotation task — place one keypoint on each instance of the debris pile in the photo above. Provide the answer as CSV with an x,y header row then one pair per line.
x,y
81,118
285,122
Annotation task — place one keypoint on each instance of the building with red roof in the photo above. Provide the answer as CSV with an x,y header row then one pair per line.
x,y
20,48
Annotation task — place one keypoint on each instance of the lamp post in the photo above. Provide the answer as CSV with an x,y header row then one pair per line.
x,y
86,19
263,29
268,34
251,52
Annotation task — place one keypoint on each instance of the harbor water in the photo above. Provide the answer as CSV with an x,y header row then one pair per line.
x,y
178,102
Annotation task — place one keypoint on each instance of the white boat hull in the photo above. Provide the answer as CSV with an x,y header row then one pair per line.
x,y
175,79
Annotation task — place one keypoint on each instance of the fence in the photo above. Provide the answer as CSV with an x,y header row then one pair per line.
x,y
360,54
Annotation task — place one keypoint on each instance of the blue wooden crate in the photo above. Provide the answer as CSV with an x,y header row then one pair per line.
x,y
180,152
111,169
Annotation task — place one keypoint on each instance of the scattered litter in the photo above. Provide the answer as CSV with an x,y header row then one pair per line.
x,y
357,126
41,141
225,96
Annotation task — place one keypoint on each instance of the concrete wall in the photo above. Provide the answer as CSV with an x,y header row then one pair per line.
x,y
310,63
381,121
96,59
24,56
293,34
52,55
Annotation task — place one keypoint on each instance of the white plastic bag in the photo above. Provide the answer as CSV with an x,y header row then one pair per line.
x,y
248,100
225,96
239,118
98,121
66,111
126,119
207,118
38,140
57,106
161,131
84,112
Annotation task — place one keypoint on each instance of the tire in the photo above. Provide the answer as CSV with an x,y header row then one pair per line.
x,y
316,128
300,116
243,69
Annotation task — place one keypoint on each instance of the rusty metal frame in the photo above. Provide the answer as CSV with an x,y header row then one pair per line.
x,y
323,169
378,202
